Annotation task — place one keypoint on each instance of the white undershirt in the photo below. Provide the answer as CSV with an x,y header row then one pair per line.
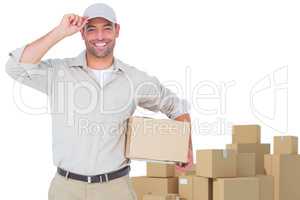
x,y
103,75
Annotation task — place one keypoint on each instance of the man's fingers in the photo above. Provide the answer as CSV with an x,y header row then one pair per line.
x,y
81,21
74,21
78,21
84,22
71,19
180,168
179,164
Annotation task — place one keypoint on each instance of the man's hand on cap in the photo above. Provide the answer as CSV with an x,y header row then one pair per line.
x,y
71,24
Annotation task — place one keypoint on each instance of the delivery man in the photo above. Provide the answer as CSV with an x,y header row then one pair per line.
x,y
91,97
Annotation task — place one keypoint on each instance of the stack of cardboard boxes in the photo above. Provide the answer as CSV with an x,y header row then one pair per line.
x,y
246,139
159,184
234,173
284,166
244,170
192,187
238,171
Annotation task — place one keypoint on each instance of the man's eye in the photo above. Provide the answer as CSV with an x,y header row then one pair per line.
x,y
90,29
108,28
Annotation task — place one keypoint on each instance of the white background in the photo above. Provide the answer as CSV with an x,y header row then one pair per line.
x,y
250,44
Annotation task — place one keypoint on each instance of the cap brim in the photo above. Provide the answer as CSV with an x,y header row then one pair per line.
x,y
101,16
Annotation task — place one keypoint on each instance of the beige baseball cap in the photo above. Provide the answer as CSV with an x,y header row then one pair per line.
x,y
100,10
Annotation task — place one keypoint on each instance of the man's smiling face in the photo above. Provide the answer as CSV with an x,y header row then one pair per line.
x,y
100,36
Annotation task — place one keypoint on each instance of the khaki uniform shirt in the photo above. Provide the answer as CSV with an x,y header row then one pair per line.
x,y
89,121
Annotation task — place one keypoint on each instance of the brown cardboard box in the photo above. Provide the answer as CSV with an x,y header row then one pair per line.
x,y
243,188
216,163
161,197
268,164
157,139
154,197
160,169
191,171
148,185
266,184
259,149
246,164
244,134
286,172
285,145
195,187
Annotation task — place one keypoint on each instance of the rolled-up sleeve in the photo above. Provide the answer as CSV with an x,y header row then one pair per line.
x,y
37,76
154,96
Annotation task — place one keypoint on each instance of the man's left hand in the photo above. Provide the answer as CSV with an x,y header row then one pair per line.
x,y
183,167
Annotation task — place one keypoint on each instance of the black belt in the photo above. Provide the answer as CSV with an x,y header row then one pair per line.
x,y
95,178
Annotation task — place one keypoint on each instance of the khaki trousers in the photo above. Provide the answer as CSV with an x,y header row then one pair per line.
x,y
70,189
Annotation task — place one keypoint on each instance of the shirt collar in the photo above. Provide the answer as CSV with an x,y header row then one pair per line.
x,y
80,61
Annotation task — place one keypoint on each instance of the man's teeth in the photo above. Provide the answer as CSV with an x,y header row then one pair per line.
x,y
100,44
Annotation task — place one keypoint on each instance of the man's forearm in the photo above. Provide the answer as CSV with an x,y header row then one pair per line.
x,y
69,25
34,51
184,117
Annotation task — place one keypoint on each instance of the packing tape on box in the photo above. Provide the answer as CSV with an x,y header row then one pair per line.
x,y
225,154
